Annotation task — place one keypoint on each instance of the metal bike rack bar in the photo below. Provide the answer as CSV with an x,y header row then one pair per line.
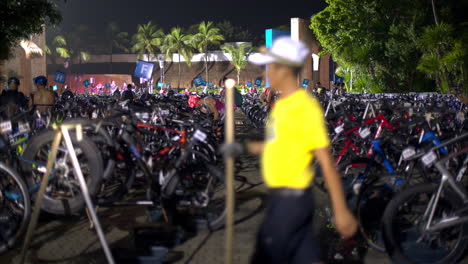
x,y
63,131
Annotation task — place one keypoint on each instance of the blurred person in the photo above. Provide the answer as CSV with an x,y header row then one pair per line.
x,y
67,94
243,92
253,90
145,96
12,100
221,91
43,99
209,105
266,97
128,94
117,94
186,92
295,135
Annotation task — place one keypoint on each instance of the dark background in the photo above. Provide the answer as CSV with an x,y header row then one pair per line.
x,y
253,15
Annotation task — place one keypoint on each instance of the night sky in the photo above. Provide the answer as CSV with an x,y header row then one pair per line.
x,y
254,15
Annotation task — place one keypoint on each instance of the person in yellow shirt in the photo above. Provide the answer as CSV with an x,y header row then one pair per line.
x,y
295,136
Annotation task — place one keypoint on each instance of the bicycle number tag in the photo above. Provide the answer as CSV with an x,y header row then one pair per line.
x,y
23,128
200,136
429,158
164,112
365,132
175,138
339,129
408,153
94,115
5,127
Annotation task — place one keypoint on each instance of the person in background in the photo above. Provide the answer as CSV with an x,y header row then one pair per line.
x,y
162,91
145,96
221,91
67,94
266,96
253,90
295,136
12,100
209,105
205,90
43,99
243,92
117,94
186,92
128,94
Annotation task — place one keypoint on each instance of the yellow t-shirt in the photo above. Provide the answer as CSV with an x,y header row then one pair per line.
x,y
295,128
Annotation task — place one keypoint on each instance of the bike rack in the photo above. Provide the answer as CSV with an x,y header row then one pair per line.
x,y
63,130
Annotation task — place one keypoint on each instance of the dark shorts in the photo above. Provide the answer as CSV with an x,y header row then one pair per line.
x,y
286,234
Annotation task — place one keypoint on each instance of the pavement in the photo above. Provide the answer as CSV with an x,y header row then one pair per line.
x,y
69,239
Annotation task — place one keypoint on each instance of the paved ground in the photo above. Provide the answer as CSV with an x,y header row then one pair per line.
x,y
68,240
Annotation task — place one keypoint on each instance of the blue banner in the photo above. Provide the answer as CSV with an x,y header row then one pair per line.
x,y
108,85
168,86
249,84
210,84
258,82
143,70
60,77
86,83
199,81
338,79
305,83
160,85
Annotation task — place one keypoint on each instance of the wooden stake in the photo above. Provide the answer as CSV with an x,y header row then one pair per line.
x,y
229,139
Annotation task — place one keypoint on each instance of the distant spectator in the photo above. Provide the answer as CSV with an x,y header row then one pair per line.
x,y
128,94
116,94
67,94
12,100
42,99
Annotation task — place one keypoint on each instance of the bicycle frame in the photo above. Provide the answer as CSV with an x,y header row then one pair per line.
x,y
383,124
447,178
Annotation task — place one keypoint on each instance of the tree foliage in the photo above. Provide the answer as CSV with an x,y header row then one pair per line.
x,y
182,44
381,40
239,56
20,19
147,40
207,34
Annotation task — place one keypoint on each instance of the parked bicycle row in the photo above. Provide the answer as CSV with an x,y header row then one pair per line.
x,y
159,146
403,162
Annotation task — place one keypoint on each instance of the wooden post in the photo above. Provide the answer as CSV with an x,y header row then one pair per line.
x,y
40,195
229,139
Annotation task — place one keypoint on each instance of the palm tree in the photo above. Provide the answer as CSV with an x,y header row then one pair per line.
x,y
147,40
239,56
177,41
116,39
207,35
63,48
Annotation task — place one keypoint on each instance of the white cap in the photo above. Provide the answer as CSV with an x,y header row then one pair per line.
x,y
283,51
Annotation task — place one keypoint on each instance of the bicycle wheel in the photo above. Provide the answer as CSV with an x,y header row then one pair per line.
x,y
406,240
15,207
374,195
370,206
63,193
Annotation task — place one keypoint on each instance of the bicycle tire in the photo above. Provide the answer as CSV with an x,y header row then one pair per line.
x,y
9,238
392,239
101,136
94,166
